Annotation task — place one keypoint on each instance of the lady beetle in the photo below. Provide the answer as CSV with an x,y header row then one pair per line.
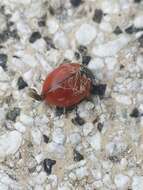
x,y
66,86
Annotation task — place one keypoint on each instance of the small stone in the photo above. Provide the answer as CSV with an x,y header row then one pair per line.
x,y
122,99
86,59
121,181
117,30
36,136
34,36
85,34
3,61
114,159
138,21
140,40
135,113
78,120
100,126
81,172
58,136
111,62
137,1
60,40
41,23
49,43
21,83
137,183
77,156
111,48
45,138
130,30
75,138
48,164
96,64
77,55
99,89
75,3
95,141
87,128
52,26
19,127
9,143
13,114
98,15
82,49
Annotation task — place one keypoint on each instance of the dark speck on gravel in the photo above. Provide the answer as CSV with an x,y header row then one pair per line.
x,y
21,83
3,61
34,36
48,164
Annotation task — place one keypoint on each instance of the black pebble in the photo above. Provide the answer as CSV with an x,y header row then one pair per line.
x,y
100,126
135,113
45,138
12,114
114,159
98,15
77,55
21,83
47,164
117,30
34,36
77,156
49,43
140,40
137,1
99,89
78,120
75,3
86,59
3,61
130,30
82,49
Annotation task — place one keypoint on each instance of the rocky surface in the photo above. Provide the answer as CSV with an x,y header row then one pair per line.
x,y
101,145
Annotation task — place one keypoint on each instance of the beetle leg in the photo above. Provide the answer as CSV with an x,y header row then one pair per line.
x,y
33,94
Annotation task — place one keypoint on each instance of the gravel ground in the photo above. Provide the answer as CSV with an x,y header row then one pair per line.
x,y
101,148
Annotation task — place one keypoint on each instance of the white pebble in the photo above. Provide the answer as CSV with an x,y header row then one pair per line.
x,y
69,54
75,138
95,141
52,26
110,6
138,21
9,143
20,127
36,136
96,64
111,48
85,34
123,99
137,183
106,27
58,136
81,172
56,149
60,40
3,76
121,181
110,62
87,128
26,119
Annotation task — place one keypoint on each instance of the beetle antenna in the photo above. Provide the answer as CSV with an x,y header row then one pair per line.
x,y
33,94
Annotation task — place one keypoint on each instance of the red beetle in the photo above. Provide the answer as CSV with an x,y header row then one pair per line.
x,y
66,86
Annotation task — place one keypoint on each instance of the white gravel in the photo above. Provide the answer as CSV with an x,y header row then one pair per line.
x,y
102,148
